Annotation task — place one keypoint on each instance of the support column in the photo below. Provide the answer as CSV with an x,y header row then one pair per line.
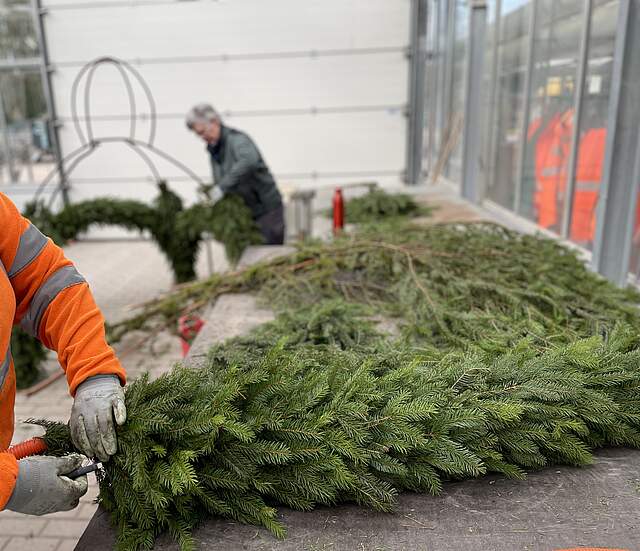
x,y
471,148
417,85
621,171
45,74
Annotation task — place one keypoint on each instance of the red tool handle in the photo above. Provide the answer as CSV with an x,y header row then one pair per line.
x,y
33,446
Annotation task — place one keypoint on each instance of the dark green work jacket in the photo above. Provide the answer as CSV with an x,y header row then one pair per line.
x,y
238,168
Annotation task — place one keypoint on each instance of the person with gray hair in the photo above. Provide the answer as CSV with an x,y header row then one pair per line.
x,y
238,168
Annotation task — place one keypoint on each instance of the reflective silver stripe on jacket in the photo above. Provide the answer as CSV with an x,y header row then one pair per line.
x,y
59,280
4,367
586,185
6,361
31,244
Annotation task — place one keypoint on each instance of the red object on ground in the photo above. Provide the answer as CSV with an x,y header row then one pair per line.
x,y
338,211
33,446
188,327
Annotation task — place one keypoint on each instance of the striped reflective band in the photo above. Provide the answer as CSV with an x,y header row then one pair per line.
x,y
585,185
551,171
4,367
31,244
59,280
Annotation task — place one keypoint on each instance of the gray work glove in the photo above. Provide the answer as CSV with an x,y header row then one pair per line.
x,y
97,408
216,194
42,488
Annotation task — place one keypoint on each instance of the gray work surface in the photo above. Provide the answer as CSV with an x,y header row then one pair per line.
x,y
557,508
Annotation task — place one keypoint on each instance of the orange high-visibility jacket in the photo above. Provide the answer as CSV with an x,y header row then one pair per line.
x,y
42,291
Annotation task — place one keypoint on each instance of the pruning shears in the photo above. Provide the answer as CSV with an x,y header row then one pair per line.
x,y
37,446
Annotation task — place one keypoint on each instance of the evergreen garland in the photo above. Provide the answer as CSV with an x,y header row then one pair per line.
x,y
307,425
177,231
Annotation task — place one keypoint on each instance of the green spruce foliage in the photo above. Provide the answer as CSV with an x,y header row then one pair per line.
x,y
306,425
511,356
379,205
177,230
448,286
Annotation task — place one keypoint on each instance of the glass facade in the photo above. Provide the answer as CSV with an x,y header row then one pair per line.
x,y
508,114
536,52
593,122
26,154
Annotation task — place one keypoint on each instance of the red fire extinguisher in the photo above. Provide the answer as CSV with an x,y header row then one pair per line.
x,y
338,211
188,327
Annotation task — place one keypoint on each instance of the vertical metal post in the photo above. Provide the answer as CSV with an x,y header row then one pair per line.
x,y
526,107
45,75
431,82
417,60
441,49
621,171
581,77
473,100
449,60
491,143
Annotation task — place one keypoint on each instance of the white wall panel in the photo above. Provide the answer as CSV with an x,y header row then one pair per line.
x,y
335,143
247,85
266,64
232,27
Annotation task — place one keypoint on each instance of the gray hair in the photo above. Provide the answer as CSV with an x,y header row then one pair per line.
x,y
202,113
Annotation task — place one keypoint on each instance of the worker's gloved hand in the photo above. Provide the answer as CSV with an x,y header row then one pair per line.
x,y
216,194
97,408
42,488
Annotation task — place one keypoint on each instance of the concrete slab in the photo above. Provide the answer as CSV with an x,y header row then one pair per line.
x,y
554,509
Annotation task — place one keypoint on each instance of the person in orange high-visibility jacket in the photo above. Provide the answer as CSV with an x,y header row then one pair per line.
x,y
43,292
552,154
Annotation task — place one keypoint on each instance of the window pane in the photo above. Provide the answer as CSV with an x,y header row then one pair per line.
x,y
593,123
458,87
26,135
548,146
508,114
17,34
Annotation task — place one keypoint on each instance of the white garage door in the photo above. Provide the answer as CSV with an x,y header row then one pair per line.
x,y
321,85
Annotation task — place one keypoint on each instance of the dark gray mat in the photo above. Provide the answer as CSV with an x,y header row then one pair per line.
x,y
556,508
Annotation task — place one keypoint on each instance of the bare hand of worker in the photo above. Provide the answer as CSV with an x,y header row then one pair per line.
x,y
42,488
97,408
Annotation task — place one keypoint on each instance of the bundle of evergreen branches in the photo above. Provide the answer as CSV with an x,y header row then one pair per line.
x,y
378,205
313,424
177,230
449,286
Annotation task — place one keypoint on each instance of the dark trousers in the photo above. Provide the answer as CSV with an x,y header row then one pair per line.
x,y
271,225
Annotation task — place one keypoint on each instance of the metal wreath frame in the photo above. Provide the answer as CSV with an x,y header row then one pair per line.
x,y
89,142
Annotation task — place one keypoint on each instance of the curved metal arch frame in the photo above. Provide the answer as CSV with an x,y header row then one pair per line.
x,y
89,143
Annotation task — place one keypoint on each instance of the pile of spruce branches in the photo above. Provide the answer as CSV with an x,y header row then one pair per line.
x,y
447,286
377,205
510,355
301,424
